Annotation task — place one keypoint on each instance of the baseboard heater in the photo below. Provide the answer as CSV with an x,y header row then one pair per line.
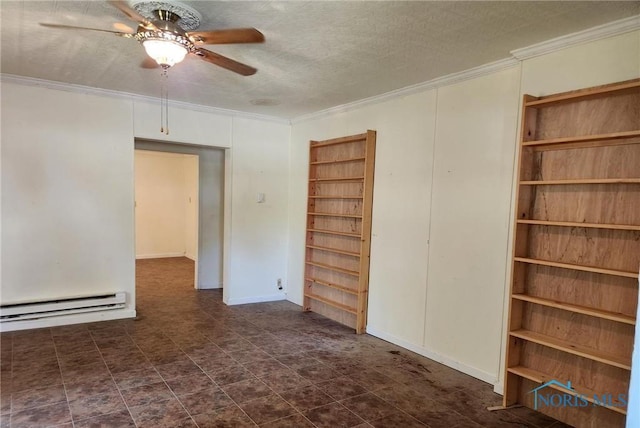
x,y
53,308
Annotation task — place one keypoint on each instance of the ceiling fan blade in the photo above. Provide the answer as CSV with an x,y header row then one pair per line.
x,y
235,35
133,14
225,62
73,27
149,63
123,27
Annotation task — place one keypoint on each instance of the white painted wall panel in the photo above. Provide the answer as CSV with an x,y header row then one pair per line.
x,y
191,208
473,129
185,126
604,61
67,194
474,160
400,227
258,234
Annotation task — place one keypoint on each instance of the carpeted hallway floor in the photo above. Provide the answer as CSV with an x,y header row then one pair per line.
x,y
189,360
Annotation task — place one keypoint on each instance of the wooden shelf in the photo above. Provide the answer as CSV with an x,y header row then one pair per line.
x,y
572,348
604,139
332,303
334,268
332,285
336,179
334,250
586,94
612,316
358,159
335,215
342,140
335,232
340,182
335,197
577,267
577,224
578,153
582,181
577,391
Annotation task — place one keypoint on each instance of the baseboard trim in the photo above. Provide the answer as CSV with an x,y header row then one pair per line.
x,y
209,287
443,359
256,299
498,388
68,320
159,256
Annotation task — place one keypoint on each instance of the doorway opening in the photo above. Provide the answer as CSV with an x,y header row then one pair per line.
x,y
179,210
166,206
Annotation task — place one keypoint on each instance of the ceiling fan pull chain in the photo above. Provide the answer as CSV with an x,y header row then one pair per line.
x,y
166,100
162,101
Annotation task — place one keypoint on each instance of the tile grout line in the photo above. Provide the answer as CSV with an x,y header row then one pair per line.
x,y
273,331
283,399
167,385
114,379
13,350
64,387
254,376
275,392
220,386
214,382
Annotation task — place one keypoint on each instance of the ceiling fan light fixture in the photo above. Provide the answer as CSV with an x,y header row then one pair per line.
x,y
165,52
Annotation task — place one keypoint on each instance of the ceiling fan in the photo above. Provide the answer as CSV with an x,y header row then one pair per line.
x,y
167,36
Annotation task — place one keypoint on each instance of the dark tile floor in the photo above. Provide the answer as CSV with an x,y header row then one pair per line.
x,y
189,360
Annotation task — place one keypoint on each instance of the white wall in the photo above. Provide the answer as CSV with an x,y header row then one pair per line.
x,y
166,217
426,277
442,214
259,231
604,61
190,165
67,195
401,206
185,126
255,235
438,283
474,161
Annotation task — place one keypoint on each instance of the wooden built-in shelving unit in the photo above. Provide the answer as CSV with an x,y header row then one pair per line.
x,y
576,252
339,228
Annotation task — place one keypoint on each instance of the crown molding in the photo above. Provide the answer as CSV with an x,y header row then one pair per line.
x,y
610,29
438,82
517,55
71,87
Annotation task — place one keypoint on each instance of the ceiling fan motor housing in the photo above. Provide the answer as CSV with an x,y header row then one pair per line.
x,y
184,16
166,30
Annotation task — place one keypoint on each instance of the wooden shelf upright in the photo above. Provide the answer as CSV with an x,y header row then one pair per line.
x,y
339,228
576,252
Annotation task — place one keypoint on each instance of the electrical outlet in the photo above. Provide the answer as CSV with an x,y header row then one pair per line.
x,y
279,284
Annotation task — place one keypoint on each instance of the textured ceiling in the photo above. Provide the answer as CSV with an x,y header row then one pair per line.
x,y
317,54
